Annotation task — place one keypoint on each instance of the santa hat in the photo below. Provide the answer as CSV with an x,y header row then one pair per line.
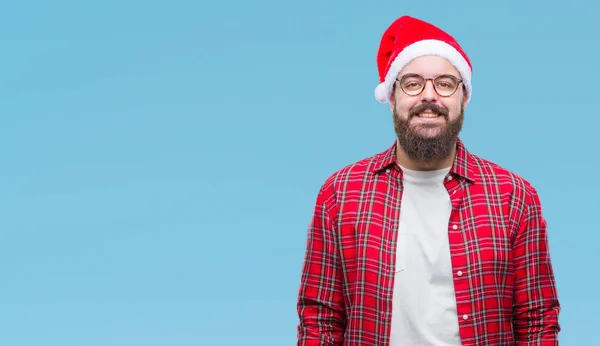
x,y
408,38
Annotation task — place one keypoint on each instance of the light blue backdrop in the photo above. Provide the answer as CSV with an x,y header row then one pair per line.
x,y
160,159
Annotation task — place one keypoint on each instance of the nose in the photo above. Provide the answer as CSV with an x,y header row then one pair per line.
x,y
429,94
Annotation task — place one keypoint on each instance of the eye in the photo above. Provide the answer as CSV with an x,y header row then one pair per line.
x,y
412,84
445,83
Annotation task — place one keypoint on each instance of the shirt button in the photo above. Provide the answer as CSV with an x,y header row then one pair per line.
x,y
449,177
465,317
455,227
387,170
459,273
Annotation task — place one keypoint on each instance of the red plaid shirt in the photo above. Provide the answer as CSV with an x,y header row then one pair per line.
x,y
503,277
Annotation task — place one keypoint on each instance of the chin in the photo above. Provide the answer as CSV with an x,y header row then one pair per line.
x,y
429,130
430,136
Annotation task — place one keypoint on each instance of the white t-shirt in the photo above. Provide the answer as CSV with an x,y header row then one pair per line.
x,y
424,304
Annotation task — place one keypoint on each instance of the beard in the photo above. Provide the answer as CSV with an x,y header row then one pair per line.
x,y
420,147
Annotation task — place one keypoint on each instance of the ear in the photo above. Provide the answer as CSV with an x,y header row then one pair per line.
x,y
392,101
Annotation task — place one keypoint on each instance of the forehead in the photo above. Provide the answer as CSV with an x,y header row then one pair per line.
x,y
430,66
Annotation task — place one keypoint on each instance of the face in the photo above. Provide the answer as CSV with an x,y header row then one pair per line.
x,y
427,124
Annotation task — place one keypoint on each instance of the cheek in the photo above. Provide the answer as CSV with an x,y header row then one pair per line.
x,y
453,107
404,106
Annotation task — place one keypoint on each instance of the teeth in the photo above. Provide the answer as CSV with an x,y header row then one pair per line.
x,y
428,115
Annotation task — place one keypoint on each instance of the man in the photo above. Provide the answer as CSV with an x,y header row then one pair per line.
x,y
425,243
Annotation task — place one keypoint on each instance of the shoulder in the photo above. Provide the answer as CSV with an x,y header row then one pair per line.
x,y
346,182
494,175
354,175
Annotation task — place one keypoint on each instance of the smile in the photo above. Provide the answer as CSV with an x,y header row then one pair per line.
x,y
428,115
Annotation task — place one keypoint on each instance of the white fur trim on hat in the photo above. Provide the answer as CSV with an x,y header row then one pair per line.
x,y
426,47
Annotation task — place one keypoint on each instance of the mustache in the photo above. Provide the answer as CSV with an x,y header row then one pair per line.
x,y
428,106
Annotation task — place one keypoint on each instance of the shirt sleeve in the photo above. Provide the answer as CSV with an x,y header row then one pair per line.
x,y
536,305
320,300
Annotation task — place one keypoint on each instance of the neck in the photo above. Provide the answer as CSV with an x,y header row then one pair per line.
x,y
405,161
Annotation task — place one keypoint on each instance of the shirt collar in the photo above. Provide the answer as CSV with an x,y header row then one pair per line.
x,y
463,166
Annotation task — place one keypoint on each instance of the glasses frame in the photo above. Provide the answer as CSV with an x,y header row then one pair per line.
x,y
400,79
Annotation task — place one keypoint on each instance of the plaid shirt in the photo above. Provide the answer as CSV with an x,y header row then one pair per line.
x,y
503,277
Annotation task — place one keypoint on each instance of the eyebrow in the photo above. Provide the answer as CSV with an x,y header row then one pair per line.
x,y
410,75
418,75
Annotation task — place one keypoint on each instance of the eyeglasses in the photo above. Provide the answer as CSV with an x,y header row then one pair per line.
x,y
444,85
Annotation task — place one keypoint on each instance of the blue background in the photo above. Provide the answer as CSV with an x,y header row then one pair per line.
x,y
160,159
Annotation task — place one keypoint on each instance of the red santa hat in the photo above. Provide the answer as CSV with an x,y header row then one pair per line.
x,y
408,38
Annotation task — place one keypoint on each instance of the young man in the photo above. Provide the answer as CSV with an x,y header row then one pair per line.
x,y
425,243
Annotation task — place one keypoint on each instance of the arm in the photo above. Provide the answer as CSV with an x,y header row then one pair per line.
x,y
320,298
536,305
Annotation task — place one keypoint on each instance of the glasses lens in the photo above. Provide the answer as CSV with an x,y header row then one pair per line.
x,y
412,85
446,85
